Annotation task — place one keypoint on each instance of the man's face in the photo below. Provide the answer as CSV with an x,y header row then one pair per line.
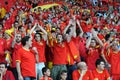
x,y
16,25
2,68
18,38
59,38
102,65
93,43
30,42
115,46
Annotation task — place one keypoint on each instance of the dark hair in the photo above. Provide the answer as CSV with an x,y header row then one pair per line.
x,y
98,61
44,69
1,25
6,3
63,71
38,34
19,27
3,63
16,21
107,37
24,40
59,74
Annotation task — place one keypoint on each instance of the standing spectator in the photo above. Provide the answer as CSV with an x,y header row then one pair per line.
x,y
2,46
8,43
93,51
59,56
63,75
40,44
4,73
114,60
16,44
25,60
100,71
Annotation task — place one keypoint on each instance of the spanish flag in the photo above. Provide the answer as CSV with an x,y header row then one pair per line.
x,y
8,58
73,54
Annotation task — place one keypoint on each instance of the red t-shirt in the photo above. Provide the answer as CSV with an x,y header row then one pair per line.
x,y
42,78
101,75
62,26
41,49
106,52
2,46
85,27
8,76
16,47
59,54
115,62
27,62
92,56
8,24
87,76
77,41
8,44
82,47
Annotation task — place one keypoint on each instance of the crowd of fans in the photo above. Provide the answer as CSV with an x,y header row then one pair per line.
x,y
73,40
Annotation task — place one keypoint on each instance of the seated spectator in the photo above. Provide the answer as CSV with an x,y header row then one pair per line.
x,y
4,73
82,73
46,74
63,75
100,71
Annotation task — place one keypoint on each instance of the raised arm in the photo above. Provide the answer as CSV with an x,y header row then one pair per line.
x,y
33,28
74,28
44,31
66,28
81,30
88,41
104,58
97,38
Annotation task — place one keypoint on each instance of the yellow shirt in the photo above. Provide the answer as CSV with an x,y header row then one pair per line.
x,y
2,12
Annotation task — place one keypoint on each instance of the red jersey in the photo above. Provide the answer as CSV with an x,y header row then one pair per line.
x,y
8,24
77,41
106,52
8,76
84,26
16,47
8,44
42,78
27,62
91,58
41,49
2,46
115,62
104,75
87,76
59,53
